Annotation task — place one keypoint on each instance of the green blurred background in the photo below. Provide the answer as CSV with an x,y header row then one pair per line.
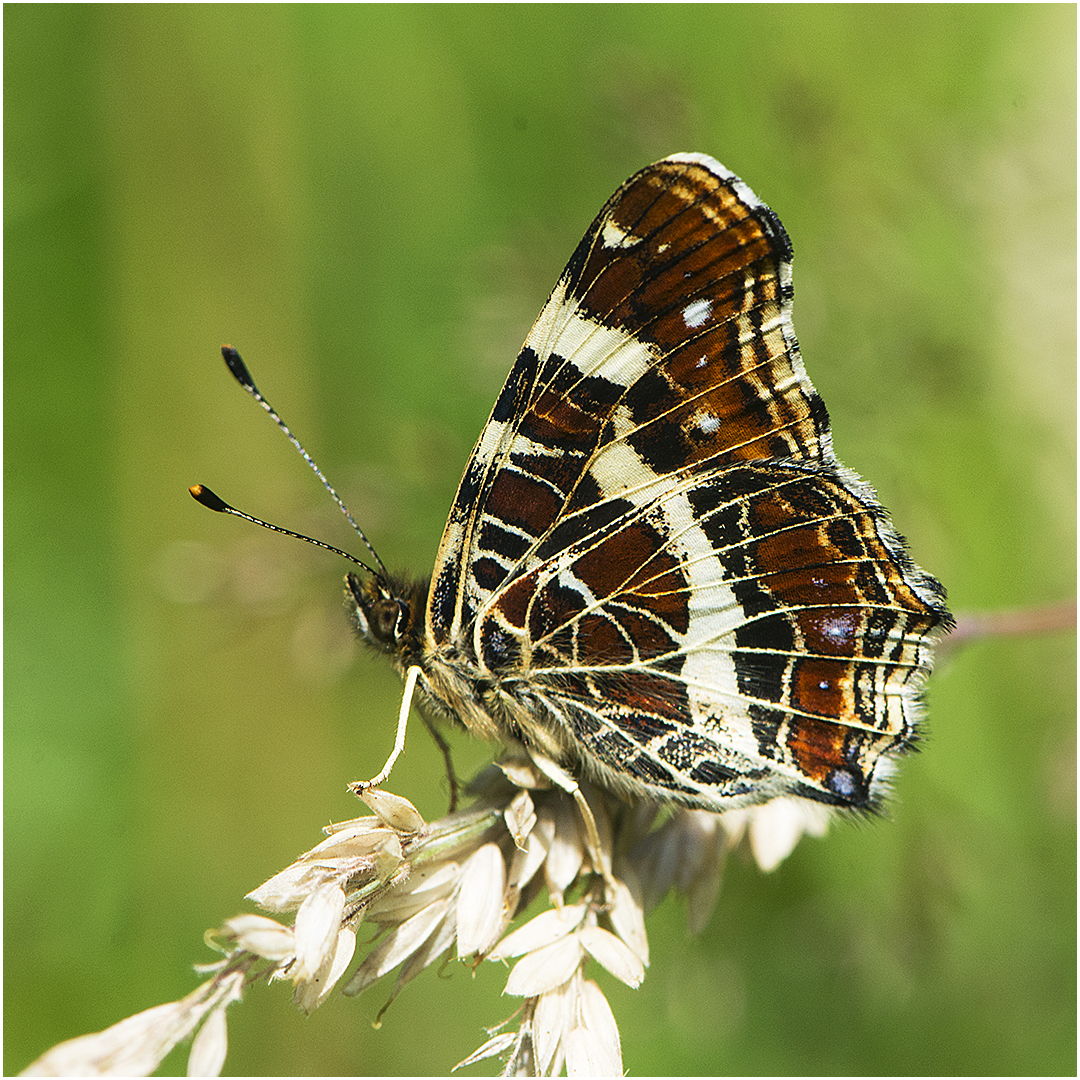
x,y
372,204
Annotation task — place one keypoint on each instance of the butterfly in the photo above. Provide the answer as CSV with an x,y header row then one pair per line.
x,y
656,573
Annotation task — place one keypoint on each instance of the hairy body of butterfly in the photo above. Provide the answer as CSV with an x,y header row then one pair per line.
x,y
655,571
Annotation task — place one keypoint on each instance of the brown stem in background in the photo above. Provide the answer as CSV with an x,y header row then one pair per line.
x,y
1033,620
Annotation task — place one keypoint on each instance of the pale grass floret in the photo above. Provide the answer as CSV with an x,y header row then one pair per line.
x,y
460,882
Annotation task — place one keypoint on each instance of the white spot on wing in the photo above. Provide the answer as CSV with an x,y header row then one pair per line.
x,y
614,236
707,422
696,313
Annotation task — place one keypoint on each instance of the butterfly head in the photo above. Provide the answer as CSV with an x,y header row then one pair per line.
x,y
388,614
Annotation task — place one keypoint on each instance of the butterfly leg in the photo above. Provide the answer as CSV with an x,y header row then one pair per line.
x,y
444,749
399,739
562,779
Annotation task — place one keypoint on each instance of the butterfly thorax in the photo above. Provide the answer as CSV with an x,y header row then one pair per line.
x,y
389,615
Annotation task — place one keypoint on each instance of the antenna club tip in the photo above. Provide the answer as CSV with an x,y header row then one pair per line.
x,y
205,497
237,366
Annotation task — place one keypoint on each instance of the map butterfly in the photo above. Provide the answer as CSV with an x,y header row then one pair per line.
x,y
656,573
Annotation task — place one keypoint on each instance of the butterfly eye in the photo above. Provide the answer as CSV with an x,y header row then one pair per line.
x,y
387,620
380,615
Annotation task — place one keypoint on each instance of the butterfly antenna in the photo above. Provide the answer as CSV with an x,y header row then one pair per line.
x,y
203,495
243,377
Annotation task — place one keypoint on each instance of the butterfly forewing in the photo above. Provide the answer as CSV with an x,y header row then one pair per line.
x,y
654,557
